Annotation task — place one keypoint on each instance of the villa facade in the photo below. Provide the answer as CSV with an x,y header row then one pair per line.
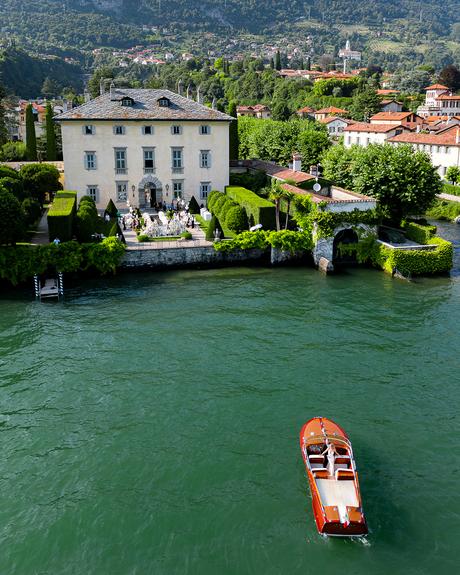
x,y
144,147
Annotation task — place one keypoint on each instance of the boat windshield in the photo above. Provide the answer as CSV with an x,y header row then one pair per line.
x,y
313,441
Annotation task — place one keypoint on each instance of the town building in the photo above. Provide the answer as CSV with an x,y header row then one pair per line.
x,y
439,101
408,119
391,106
443,148
258,111
336,125
363,134
144,147
306,113
348,55
328,112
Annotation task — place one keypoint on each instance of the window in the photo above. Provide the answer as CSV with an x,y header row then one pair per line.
x,y
122,191
205,188
164,102
177,189
89,130
147,130
176,130
205,159
127,101
177,160
205,130
93,192
120,161
119,130
149,160
90,160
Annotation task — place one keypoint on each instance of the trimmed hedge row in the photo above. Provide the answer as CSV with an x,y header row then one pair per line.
x,y
258,210
20,263
285,240
416,262
61,216
419,233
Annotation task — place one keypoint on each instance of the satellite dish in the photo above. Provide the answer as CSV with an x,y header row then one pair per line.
x,y
317,187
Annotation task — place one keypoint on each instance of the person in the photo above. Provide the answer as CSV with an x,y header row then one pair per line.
x,y
331,453
56,241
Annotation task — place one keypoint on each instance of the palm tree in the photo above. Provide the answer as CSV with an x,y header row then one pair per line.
x,y
289,197
277,194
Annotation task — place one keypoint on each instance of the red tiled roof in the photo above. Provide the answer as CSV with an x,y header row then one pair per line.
x,y
334,118
386,92
306,110
331,110
375,128
436,87
392,116
447,138
447,97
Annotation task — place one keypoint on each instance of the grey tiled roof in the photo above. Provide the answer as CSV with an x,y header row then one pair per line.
x,y
146,107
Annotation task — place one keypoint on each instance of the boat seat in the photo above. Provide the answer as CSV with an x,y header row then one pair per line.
x,y
316,458
317,465
342,459
354,514
342,474
332,514
321,473
341,466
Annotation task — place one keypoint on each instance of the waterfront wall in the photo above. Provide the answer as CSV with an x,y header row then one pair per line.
x,y
204,256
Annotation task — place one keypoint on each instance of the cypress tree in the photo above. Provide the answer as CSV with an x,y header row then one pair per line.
x,y
233,132
50,135
3,127
31,139
214,225
308,63
272,63
193,206
277,60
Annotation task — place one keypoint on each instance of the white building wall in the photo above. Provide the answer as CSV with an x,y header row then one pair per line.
x,y
442,157
104,142
366,138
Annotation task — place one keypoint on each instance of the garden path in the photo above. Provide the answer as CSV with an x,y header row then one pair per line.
x,y
41,235
449,197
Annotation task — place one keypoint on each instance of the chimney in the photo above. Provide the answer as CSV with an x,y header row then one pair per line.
x,y
214,104
296,162
179,87
112,90
102,87
87,96
198,95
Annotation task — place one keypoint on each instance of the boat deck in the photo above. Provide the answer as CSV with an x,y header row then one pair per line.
x,y
340,494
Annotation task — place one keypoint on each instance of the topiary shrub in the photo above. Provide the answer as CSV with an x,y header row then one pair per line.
x,y
193,206
236,219
419,233
7,172
40,179
214,225
218,203
15,186
32,210
186,235
261,210
61,217
12,223
143,238
225,208
212,197
87,222
111,209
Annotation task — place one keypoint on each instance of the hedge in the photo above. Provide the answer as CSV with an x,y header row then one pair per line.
x,y
61,216
20,263
214,225
419,233
258,210
212,197
66,194
416,262
285,240
225,207
236,219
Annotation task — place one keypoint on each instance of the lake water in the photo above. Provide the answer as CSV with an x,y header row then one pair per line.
x,y
149,423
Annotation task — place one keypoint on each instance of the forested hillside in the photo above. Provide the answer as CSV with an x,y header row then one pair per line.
x,y
24,75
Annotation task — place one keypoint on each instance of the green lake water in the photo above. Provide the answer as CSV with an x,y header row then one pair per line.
x,y
149,423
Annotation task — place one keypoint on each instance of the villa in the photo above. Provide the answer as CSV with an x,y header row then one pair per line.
x,y
144,147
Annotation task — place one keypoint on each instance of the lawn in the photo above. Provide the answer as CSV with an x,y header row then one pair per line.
x,y
451,189
204,226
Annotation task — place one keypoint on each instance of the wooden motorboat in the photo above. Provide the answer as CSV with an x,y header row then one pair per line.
x,y
333,479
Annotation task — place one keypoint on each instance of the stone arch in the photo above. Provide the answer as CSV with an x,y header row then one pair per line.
x,y
150,191
344,236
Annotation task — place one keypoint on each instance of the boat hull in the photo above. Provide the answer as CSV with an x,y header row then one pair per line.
x,y
336,503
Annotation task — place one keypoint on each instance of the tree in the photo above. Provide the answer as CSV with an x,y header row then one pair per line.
x,y
233,131
289,197
94,82
193,206
40,179
3,126
213,226
453,174
49,88
31,138
365,105
12,224
50,135
276,194
450,77
277,60
403,182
